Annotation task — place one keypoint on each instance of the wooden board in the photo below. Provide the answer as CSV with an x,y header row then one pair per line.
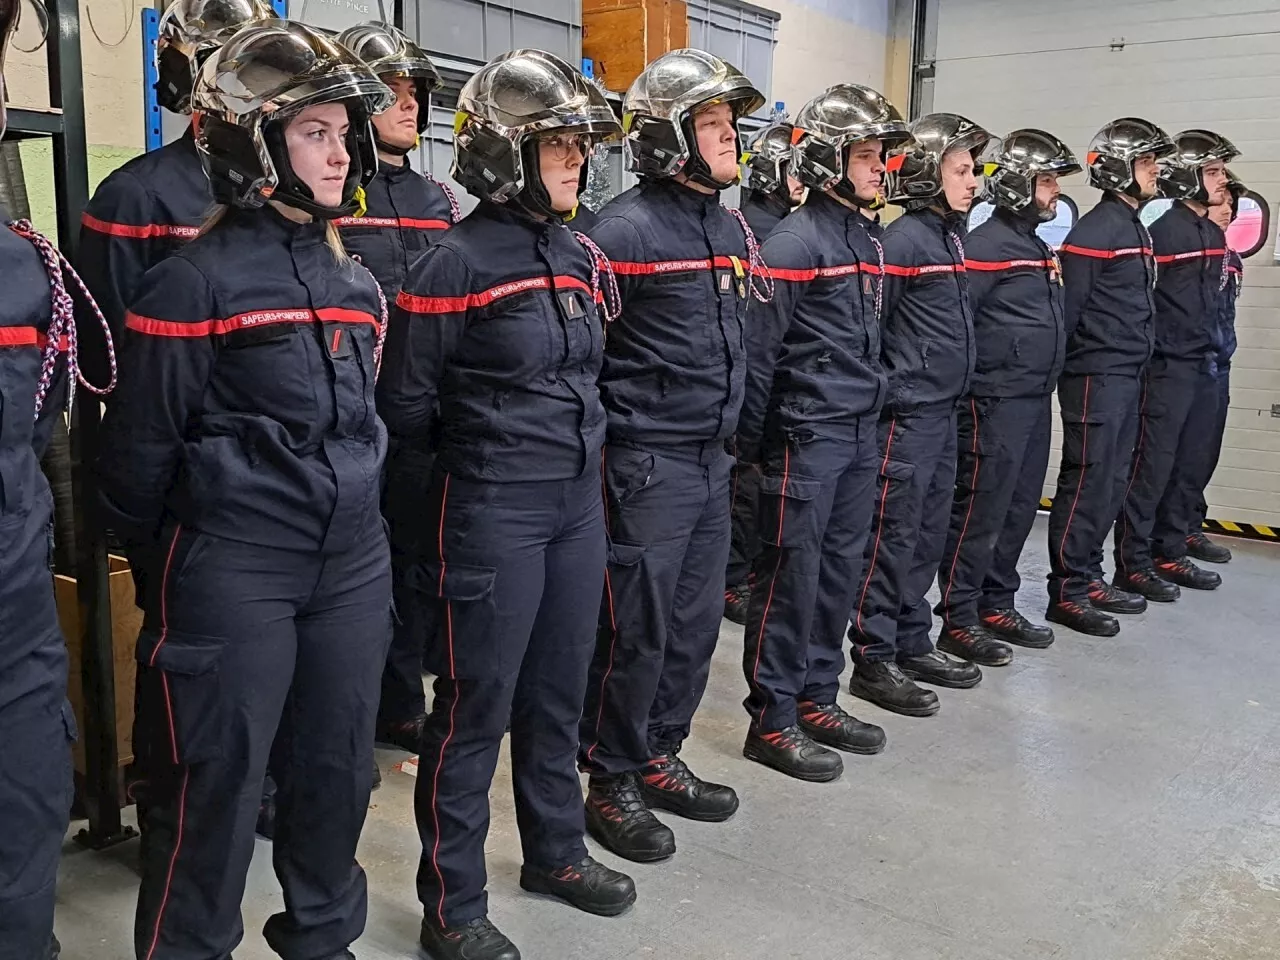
x,y
126,621
623,36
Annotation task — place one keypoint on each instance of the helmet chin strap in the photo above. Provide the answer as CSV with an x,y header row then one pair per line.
x,y
384,147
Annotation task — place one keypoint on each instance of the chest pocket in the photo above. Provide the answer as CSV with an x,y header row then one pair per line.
x,y
516,337
579,322
267,370
729,305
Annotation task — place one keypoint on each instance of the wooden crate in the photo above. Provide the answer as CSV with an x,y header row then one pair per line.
x,y
623,36
126,620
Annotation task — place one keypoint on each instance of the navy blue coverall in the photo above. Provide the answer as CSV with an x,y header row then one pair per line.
x,y
141,213
36,724
928,353
1004,425
1208,417
1191,253
1109,274
813,396
497,343
763,212
404,214
241,462
672,385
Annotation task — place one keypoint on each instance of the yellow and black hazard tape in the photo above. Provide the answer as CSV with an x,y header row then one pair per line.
x,y
1250,531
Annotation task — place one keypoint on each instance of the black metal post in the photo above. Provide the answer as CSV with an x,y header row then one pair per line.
x,y
101,793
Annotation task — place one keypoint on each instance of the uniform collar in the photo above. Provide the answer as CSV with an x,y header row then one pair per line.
x,y
684,195
938,221
770,201
391,172
510,214
1110,196
1016,220
268,223
831,207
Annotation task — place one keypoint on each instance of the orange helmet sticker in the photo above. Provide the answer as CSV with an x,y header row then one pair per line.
x,y
894,163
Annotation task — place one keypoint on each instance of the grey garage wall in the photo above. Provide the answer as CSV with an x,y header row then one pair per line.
x,y
1070,67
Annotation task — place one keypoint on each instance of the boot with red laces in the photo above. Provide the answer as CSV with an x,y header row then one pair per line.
x,y
668,784
588,885
1082,618
1010,625
1182,571
1108,599
619,818
793,752
832,725
475,939
736,599
1147,584
974,644
1205,550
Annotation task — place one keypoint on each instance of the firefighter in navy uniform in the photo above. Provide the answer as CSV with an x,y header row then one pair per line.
x,y
672,387
1109,274
405,212
1015,292
240,460
496,346
1191,257
927,346
36,720
148,208
812,402
770,193
1208,416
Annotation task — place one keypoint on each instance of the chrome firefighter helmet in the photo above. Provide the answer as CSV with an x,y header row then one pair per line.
x,y
502,111
1113,149
767,159
1182,171
1011,166
389,53
657,112
830,123
189,31
249,92
913,172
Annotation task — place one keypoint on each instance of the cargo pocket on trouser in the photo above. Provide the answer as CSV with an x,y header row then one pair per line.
x,y
1082,442
627,610
787,514
464,644
186,704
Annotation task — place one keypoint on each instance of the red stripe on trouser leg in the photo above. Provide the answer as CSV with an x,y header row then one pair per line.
x,y
773,582
875,550
1084,465
613,623
173,860
964,529
1133,475
435,787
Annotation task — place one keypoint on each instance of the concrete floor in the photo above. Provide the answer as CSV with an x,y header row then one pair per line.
x,y
1101,800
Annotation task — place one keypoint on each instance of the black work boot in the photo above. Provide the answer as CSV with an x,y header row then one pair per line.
x,y
791,751
618,817
377,775
1185,573
976,645
881,682
667,783
1083,618
473,940
1147,584
1206,550
588,885
830,724
266,825
1108,599
405,734
735,603
1010,625
940,670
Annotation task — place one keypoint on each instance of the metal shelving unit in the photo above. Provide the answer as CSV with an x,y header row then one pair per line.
x,y
63,124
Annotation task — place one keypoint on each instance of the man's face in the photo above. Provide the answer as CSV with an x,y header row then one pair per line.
x,y
1214,176
1220,213
864,169
1047,193
959,182
795,190
717,137
398,124
1145,173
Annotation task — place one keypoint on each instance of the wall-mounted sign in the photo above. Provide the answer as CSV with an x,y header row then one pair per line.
x,y
337,15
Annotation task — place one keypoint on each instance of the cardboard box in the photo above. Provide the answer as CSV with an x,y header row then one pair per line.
x,y
126,621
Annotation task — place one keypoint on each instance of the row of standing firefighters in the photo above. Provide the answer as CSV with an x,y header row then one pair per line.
x,y
562,407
